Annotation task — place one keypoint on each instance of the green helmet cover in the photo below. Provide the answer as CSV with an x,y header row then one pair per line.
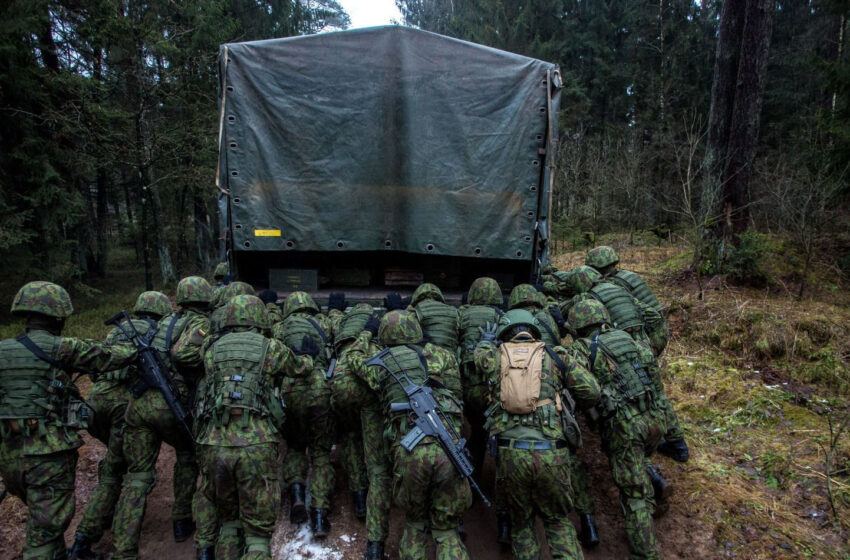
x,y
602,256
518,318
193,289
588,313
399,327
524,295
484,291
299,301
236,289
245,311
220,270
152,303
582,278
427,291
46,298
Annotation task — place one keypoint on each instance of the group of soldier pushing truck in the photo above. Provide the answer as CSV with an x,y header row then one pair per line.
x,y
230,375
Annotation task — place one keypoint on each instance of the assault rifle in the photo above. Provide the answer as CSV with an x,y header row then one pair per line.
x,y
152,371
429,420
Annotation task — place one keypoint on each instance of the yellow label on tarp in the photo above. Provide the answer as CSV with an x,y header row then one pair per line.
x,y
267,233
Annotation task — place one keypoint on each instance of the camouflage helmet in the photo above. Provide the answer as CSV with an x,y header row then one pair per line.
x,y
299,301
399,327
46,298
152,303
236,289
582,278
588,313
427,291
193,289
602,256
245,310
220,271
524,295
484,291
517,318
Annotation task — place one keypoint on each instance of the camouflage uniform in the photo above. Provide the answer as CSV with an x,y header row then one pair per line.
x,y
349,396
179,340
221,279
109,397
38,433
631,422
309,422
425,482
231,290
534,449
437,318
238,431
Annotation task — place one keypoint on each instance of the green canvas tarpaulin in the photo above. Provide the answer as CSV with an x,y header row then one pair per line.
x,y
385,138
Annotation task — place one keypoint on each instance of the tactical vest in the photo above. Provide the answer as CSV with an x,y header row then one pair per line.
x,y
236,386
411,361
548,327
471,318
31,388
170,329
351,326
627,383
624,313
439,323
147,330
295,327
636,286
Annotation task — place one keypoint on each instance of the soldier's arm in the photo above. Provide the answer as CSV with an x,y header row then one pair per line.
x,y
582,384
443,366
281,360
188,350
356,356
485,358
91,356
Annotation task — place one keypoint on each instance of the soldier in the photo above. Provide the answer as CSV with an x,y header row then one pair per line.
x,y
358,415
532,422
275,313
179,339
336,309
526,296
240,415
643,323
437,319
483,309
41,411
231,290
109,397
426,484
221,277
309,422
630,419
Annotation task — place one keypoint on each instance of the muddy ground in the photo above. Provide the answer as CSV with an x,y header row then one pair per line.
x,y
681,532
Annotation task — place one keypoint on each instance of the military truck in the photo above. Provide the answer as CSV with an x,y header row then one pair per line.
x,y
375,158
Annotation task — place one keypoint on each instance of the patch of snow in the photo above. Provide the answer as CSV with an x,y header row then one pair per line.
x,y
302,547
690,363
347,539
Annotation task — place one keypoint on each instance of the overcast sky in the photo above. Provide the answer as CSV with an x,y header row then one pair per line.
x,y
368,13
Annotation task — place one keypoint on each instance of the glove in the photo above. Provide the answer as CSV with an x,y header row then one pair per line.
x,y
557,315
308,347
337,301
372,324
393,301
488,333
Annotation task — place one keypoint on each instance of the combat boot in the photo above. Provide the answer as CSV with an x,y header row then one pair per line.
x,y
660,486
676,449
206,553
503,527
81,549
358,498
589,536
297,506
374,550
319,522
183,529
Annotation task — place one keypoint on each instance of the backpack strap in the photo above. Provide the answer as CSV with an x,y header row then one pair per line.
x,y
559,363
170,332
38,352
319,330
549,330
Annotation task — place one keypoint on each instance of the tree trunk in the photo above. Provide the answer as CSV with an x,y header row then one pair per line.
x,y
101,224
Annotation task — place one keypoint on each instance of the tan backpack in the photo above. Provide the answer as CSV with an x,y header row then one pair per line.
x,y
520,376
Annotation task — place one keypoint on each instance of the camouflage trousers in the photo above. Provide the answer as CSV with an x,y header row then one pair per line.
x,y
378,468
537,483
475,403
310,424
348,396
244,487
109,401
673,430
583,501
427,487
628,442
45,483
203,508
149,424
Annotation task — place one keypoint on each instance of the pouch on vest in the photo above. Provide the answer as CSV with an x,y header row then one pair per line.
x,y
520,376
